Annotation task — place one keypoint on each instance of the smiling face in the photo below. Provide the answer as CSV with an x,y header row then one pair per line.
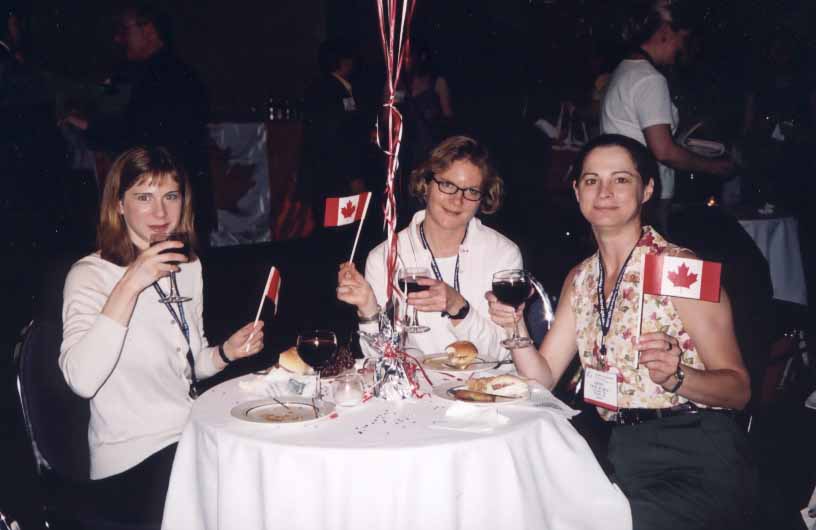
x,y
152,205
453,212
610,190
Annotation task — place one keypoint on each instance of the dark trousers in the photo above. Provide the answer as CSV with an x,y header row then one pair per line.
x,y
136,495
686,473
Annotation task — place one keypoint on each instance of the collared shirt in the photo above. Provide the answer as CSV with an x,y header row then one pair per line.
x,y
635,388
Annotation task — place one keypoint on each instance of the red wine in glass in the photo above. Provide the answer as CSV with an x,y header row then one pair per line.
x,y
174,297
317,352
409,281
317,349
512,292
183,250
411,285
512,287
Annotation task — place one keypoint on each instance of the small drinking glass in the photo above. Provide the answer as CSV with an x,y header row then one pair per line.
x,y
512,287
174,297
408,282
348,389
317,349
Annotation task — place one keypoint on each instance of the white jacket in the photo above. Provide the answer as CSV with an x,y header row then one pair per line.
x,y
483,252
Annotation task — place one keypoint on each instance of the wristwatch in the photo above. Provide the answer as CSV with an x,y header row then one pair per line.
x,y
680,375
462,313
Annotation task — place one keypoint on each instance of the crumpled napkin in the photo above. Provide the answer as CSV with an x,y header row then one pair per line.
x,y
542,399
279,382
471,418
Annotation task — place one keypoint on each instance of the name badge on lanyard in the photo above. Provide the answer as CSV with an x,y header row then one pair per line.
x,y
601,388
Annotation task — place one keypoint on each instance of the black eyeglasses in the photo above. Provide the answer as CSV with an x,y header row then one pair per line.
x,y
449,188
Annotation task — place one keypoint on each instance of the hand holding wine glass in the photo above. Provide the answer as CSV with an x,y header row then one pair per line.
x,y
184,250
408,282
512,287
152,264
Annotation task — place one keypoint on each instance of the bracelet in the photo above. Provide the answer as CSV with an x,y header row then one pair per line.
x,y
373,318
223,355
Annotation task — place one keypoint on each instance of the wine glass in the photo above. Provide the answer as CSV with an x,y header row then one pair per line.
x,y
512,287
174,297
408,282
317,349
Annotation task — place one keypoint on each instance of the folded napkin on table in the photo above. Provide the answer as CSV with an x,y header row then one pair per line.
x,y
279,382
471,418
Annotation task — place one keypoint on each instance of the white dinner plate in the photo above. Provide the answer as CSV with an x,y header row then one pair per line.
x,y
438,362
270,411
445,391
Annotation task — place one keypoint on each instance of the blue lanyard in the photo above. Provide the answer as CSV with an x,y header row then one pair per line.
x,y
181,320
605,312
434,265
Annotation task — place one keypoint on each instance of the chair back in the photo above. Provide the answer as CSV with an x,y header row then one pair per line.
x,y
56,419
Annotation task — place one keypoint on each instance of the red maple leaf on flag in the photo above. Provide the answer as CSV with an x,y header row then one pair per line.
x,y
682,278
348,209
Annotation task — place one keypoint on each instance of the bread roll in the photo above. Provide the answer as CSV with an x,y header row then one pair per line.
x,y
291,361
461,353
504,385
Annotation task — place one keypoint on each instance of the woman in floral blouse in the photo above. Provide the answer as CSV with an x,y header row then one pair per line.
x,y
670,381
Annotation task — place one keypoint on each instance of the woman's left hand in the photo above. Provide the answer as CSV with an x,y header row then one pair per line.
x,y
252,335
660,353
438,298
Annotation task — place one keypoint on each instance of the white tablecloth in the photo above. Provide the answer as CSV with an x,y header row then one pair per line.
x,y
381,466
778,240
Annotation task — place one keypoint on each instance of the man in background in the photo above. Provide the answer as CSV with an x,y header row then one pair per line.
x,y
168,105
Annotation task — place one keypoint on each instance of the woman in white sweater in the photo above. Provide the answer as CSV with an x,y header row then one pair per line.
x,y
455,183
137,359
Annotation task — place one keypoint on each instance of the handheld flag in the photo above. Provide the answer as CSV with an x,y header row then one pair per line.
x,y
271,291
678,276
341,211
683,277
273,287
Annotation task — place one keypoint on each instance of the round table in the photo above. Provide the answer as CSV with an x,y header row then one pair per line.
x,y
385,465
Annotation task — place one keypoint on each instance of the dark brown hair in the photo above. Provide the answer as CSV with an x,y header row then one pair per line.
x,y
135,166
452,150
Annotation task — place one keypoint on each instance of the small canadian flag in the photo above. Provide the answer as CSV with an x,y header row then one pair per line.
x,y
341,211
273,289
683,277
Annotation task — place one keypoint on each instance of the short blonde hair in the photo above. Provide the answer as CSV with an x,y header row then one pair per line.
x,y
134,166
452,150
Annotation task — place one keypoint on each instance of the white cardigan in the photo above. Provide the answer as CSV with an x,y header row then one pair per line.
x,y
483,252
137,377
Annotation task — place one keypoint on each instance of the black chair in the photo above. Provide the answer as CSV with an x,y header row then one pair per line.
x,y
56,421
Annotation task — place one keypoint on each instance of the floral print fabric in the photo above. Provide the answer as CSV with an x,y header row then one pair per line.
x,y
635,388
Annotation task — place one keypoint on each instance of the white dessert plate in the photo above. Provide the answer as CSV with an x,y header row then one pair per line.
x,y
446,392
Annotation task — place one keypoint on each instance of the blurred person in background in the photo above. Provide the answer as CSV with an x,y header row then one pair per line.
x,y
334,137
637,102
168,105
